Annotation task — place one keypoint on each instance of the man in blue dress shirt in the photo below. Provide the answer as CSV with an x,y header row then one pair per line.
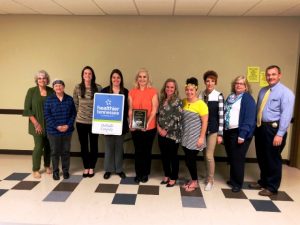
x,y
275,105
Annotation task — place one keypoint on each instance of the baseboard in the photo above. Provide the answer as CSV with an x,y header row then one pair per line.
x,y
129,156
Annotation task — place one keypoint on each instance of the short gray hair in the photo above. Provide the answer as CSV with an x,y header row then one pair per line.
x,y
45,74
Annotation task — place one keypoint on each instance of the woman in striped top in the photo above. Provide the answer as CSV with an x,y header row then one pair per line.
x,y
83,98
194,125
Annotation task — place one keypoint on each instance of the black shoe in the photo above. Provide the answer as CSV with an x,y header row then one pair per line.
x,y
122,175
235,189
66,175
106,175
255,186
56,176
229,183
144,179
137,179
84,175
91,175
165,181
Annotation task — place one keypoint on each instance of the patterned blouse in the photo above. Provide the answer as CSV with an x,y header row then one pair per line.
x,y
169,118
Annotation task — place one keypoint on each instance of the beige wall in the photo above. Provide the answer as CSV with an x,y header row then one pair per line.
x,y
168,46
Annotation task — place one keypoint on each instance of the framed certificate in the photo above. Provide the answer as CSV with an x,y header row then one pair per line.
x,y
139,119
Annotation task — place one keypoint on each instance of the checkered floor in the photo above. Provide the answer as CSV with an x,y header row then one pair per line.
x,y
127,191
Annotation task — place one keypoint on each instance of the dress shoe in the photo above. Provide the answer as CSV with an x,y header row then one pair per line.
x,y
56,176
235,189
91,175
255,186
137,179
144,179
229,183
66,175
84,175
266,192
106,175
165,181
122,175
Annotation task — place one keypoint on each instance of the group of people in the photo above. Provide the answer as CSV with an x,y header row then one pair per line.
x,y
197,122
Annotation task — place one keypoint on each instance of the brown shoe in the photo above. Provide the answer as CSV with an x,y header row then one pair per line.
x,y
266,192
255,186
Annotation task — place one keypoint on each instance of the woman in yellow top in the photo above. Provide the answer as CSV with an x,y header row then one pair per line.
x,y
194,125
143,97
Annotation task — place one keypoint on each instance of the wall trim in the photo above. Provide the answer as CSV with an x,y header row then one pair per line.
x,y
129,156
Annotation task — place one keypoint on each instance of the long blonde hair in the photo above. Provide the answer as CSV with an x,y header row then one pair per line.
x,y
149,83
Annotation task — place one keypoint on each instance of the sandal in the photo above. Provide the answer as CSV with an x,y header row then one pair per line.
x,y
187,184
191,187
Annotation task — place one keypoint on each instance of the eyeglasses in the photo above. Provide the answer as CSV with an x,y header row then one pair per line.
x,y
239,83
42,78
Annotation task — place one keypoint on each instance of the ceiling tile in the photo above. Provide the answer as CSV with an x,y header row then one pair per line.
x,y
272,7
11,7
81,7
193,7
294,11
44,6
155,7
117,7
232,7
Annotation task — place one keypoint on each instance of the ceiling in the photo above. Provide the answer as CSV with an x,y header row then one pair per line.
x,y
153,7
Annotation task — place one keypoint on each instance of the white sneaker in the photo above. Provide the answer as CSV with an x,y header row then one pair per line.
x,y
208,186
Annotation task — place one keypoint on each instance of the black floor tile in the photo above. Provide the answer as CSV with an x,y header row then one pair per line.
x,y
26,185
264,205
64,186
196,193
148,190
17,176
2,191
128,180
229,194
281,196
107,188
124,199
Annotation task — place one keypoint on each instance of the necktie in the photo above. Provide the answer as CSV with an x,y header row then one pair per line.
x,y
261,107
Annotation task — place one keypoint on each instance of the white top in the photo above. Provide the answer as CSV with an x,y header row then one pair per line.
x,y
235,114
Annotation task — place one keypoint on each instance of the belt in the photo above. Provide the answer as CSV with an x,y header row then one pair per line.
x,y
273,124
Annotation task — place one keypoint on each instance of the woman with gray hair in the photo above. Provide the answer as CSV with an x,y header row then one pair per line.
x,y
33,108
240,113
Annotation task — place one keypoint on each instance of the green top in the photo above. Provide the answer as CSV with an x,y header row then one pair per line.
x,y
34,106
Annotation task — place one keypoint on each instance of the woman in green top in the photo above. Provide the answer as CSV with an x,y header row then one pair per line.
x,y
33,108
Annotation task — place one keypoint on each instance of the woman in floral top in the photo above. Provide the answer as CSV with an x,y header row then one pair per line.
x,y
169,127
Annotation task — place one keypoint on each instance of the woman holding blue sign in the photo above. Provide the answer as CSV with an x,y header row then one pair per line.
x,y
113,160
143,105
84,98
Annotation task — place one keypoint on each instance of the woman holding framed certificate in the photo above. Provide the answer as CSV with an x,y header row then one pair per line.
x,y
143,104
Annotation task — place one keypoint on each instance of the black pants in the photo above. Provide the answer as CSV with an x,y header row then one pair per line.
x,y
86,139
236,154
143,141
191,162
60,148
169,149
269,157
